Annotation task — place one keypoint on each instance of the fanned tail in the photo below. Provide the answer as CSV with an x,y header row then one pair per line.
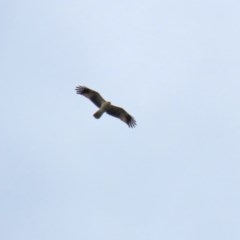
x,y
98,114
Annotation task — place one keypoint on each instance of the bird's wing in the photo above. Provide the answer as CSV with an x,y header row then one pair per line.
x,y
94,96
122,115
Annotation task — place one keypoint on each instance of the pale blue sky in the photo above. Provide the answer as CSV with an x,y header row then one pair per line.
x,y
174,65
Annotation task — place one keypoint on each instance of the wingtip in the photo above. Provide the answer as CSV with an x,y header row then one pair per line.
x,y
132,123
79,89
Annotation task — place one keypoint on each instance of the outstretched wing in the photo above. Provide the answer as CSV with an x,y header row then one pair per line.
x,y
94,96
122,115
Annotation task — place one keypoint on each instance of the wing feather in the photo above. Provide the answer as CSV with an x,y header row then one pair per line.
x,y
122,115
94,96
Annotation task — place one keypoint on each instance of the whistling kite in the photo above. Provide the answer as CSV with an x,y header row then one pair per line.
x,y
105,106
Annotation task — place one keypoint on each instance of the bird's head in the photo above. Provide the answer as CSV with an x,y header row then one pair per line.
x,y
106,105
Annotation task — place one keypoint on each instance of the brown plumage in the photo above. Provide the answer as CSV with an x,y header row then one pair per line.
x,y
105,106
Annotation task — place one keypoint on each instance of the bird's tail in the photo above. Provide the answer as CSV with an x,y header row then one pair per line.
x,y
98,114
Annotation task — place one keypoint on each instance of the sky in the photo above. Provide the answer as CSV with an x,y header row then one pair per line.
x,y
174,66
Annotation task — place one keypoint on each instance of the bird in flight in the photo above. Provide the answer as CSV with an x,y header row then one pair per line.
x,y
105,106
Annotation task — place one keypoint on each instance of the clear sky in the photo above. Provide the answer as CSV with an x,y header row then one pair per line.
x,y
173,65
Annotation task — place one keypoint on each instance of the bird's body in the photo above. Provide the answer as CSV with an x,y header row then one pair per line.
x,y
105,106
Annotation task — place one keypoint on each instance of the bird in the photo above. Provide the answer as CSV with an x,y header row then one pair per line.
x,y
105,106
